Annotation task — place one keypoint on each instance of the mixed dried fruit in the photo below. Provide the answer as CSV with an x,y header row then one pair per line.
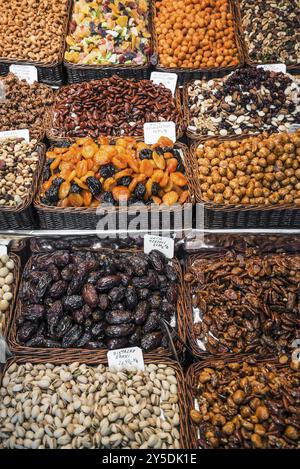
x,y
6,284
111,106
82,406
245,303
109,33
261,170
89,173
94,300
247,405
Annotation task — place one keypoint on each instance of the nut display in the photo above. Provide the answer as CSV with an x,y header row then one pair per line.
x,y
247,405
260,170
18,164
23,105
79,406
6,284
272,30
195,34
248,101
32,30
88,173
109,33
245,303
93,300
111,106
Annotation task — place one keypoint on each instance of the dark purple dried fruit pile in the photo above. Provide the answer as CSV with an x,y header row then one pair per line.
x,y
95,300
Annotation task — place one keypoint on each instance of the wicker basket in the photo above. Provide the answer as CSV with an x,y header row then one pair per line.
x,y
191,383
22,217
23,350
94,358
87,218
51,74
63,140
10,311
219,216
291,68
185,74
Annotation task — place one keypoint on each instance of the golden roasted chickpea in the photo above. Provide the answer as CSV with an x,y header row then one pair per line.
x,y
262,413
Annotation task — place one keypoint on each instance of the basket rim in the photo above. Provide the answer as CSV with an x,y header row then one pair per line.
x,y
19,349
114,67
50,112
243,35
95,358
40,64
193,373
40,148
238,41
228,207
141,208
16,274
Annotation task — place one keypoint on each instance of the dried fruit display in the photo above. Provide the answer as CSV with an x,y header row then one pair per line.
x,y
247,405
89,173
248,101
6,283
261,170
195,34
112,106
109,33
81,406
245,303
97,300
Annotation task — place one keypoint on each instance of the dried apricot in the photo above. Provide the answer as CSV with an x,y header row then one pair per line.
x,y
64,190
75,200
87,198
183,197
88,151
170,198
159,161
179,179
120,193
172,165
108,184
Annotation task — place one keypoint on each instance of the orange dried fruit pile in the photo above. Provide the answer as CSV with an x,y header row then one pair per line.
x,y
89,173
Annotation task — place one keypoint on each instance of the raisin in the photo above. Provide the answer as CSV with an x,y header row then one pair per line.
x,y
51,195
107,170
155,188
140,191
75,189
145,154
94,186
133,200
125,181
57,182
107,198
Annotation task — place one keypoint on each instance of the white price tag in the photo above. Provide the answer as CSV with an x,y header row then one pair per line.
x,y
21,133
293,128
3,246
169,80
274,67
164,245
25,72
126,358
154,130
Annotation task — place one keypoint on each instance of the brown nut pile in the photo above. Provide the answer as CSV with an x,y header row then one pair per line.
x,y
18,163
111,106
248,405
257,170
23,105
6,286
32,30
246,303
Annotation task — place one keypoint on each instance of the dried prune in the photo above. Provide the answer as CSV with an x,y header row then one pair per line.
x,y
155,300
135,338
131,298
51,195
90,295
125,181
163,282
75,189
93,277
139,265
58,289
60,258
98,330
86,337
125,279
71,336
73,302
78,316
155,188
77,283
94,186
26,331
145,154
54,272
151,341
87,311
143,293
158,261
141,312
119,331
107,198
97,315
107,170
108,282
116,343
33,312
118,317
171,273
94,345
42,285
38,341
67,272
172,293
103,302
117,294
54,314
140,191
152,323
